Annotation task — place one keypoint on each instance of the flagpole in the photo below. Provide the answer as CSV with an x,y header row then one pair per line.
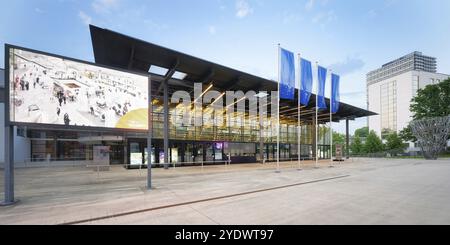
x,y
317,110
331,118
278,112
299,132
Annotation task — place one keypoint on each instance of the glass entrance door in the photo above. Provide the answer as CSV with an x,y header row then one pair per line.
x,y
198,152
209,157
324,151
136,157
117,154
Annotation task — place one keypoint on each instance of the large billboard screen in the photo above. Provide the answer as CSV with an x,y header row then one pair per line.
x,y
53,90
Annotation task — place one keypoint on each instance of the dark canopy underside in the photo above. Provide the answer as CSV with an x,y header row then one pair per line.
x,y
120,51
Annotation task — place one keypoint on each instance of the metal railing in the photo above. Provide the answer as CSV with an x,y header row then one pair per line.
x,y
51,162
395,153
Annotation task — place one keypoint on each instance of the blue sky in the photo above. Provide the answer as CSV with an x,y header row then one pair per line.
x,y
350,36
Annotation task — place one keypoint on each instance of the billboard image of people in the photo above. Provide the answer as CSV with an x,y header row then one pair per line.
x,y
46,89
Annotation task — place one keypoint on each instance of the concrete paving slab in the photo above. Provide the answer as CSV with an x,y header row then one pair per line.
x,y
376,191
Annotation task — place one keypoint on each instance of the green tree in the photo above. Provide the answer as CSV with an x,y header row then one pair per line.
x,y
385,132
373,143
407,135
362,132
394,144
357,147
432,101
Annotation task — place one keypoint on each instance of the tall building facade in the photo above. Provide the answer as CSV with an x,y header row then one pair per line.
x,y
391,88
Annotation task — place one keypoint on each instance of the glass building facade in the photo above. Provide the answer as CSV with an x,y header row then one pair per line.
x,y
388,107
188,144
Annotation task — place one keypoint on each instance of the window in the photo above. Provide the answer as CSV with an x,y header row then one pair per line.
x,y
415,85
388,105
21,132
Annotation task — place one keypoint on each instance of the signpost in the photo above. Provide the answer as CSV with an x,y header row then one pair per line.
x,y
339,153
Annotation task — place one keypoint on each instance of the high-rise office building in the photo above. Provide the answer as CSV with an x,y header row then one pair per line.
x,y
391,88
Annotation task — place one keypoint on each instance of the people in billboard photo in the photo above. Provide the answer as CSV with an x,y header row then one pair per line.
x,y
79,93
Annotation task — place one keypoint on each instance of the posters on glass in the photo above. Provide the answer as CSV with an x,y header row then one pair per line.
x,y
46,89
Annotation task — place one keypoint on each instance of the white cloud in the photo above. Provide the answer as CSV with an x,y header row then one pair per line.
x,y
388,3
212,30
222,6
87,20
39,11
310,4
348,66
289,18
324,18
243,9
154,25
104,6
372,13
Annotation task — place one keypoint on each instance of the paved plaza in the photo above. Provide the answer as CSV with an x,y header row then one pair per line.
x,y
360,191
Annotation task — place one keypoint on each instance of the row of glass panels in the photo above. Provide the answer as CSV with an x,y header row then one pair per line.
x,y
244,131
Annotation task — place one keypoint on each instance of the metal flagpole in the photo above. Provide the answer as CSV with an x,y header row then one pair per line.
x,y
299,124
149,135
317,110
331,119
278,112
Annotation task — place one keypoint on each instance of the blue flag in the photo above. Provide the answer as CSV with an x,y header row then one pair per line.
x,y
335,97
306,81
321,78
287,76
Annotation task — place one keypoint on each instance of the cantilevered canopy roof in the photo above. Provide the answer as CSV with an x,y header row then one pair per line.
x,y
121,51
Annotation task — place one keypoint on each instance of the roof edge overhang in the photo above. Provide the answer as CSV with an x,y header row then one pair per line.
x,y
118,50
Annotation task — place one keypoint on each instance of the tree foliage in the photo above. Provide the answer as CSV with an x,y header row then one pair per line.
x,y
432,101
407,135
394,144
362,132
357,147
373,143
385,132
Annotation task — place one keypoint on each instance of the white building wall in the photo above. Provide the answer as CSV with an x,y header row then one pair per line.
x,y
373,96
405,93
404,97
426,78
22,148
2,133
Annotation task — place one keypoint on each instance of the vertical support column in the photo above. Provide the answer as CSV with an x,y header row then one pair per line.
x,y
314,139
262,101
261,139
9,166
55,146
166,125
347,139
125,150
149,135
9,140
278,111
